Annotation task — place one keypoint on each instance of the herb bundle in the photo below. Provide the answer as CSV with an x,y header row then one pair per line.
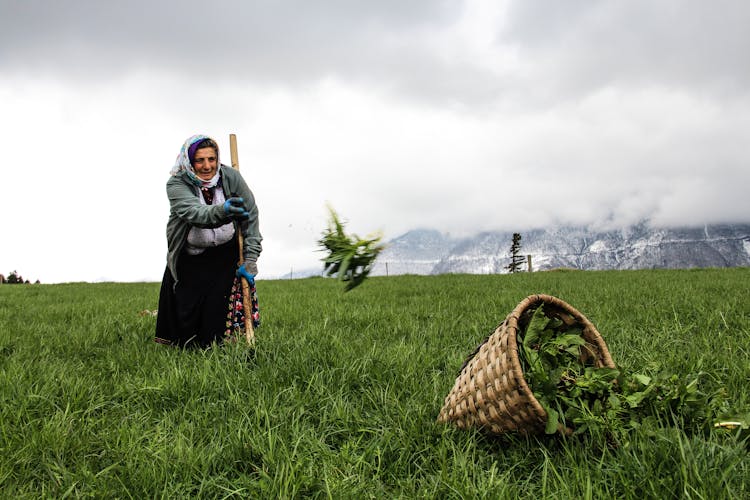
x,y
559,367
349,257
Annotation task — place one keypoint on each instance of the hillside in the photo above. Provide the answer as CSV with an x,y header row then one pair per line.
x,y
636,247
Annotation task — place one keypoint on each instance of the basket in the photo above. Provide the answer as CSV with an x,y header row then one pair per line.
x,y
491,392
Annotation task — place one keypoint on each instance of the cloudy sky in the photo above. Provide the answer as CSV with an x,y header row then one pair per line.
x,y
461,116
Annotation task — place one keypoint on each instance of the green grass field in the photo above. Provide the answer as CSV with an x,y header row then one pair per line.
x,y
340,396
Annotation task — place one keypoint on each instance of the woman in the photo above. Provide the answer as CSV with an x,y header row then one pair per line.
x,y
200,301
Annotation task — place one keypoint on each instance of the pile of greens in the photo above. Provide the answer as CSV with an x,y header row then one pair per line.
x,y
349,257
559,367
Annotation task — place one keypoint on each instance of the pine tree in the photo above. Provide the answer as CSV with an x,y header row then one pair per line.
x,y
516,259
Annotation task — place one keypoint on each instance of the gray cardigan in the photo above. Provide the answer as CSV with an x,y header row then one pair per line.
x,y
186,210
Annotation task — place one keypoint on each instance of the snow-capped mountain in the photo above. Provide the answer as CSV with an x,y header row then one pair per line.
x,y
415,252
636,247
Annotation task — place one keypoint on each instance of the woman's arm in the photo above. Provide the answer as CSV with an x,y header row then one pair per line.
x,y
250,229
184,203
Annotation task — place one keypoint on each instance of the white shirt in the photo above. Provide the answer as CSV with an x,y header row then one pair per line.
x,y
200,238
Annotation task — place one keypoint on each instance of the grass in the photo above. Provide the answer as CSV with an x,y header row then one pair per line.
x,y
339,398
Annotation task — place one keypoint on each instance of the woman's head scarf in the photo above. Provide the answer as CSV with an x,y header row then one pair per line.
x,y
184,163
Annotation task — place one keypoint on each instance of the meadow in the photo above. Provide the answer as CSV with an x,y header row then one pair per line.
x,y
340,395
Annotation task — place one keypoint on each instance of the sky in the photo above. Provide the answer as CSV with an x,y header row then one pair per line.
x,y
456,115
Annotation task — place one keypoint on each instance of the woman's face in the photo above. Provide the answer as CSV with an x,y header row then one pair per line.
x,y
205,164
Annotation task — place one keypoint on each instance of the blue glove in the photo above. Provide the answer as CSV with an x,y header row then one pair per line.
x,y
242,272
235,208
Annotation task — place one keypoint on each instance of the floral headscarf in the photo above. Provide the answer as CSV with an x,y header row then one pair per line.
x,y
183,162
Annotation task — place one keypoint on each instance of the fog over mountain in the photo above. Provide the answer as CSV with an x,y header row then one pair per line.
x,y
635,247
464,116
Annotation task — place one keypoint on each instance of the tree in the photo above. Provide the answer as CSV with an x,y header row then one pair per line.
x,y
14,278
516,259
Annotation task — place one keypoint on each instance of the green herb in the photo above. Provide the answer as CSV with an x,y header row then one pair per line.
x,y
578,397
349,257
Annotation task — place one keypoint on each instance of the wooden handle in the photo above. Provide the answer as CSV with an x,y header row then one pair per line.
x,y
233,151
246,301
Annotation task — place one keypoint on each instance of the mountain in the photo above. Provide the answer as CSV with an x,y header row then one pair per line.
x,y
415,252
635,247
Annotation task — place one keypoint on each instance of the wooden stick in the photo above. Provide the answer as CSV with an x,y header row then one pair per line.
x,y
246,300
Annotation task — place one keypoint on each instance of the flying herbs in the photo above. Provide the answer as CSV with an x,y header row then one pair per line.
x,y
349,256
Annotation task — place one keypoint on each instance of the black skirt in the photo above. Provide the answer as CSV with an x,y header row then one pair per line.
x,y
194,313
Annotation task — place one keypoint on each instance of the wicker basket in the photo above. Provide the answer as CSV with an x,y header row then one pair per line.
x,y
491,392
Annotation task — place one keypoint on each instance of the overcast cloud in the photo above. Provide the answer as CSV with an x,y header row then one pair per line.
x,y
456,115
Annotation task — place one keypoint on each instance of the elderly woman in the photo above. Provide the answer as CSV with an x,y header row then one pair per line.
x,y
200,301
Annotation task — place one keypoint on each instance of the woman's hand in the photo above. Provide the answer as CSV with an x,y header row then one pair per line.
x,y
248,271
235,208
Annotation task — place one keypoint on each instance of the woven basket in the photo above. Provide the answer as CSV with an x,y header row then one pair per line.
x,y
491,392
